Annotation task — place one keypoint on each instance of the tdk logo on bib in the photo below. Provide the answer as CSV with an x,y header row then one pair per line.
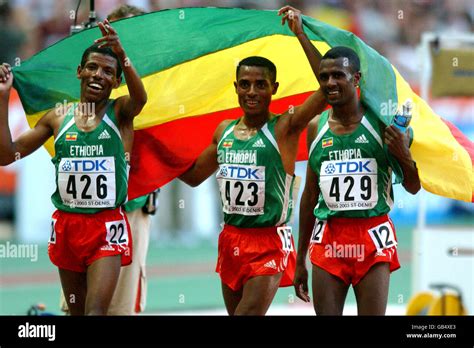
x,y
241,172
364,166
87,165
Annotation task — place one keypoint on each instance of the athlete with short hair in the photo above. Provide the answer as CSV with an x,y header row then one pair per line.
x,y
255,157
90,237
348,186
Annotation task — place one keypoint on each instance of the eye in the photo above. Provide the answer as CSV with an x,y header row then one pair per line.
x,y
244,84
261,84
323,77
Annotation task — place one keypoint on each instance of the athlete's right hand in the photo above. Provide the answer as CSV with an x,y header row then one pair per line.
x,y
301,282
6,78
293,17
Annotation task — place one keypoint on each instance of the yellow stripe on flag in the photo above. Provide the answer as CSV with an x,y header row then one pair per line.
x,y
445,167
199,87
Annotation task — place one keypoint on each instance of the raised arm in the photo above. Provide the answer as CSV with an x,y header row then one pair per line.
x,y
307,204
127,106
295,23
314,104
398,146
29,141
206,163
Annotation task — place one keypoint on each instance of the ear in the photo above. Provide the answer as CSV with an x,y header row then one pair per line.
x,y
275,88
117,82
235,86
79,70
357,77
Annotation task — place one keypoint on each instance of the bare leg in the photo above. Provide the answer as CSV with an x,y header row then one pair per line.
x,y
329,293
231,298
74,286
372,291
102,277
258,294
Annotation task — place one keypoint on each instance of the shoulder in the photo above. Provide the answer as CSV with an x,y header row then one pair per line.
x,y
221,128
313,129
54,117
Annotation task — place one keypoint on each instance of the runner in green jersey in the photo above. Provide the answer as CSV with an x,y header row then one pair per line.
x,y
89,240
348,187
255,158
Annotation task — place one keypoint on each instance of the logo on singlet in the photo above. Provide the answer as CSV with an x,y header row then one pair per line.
x,y
104,135
259,143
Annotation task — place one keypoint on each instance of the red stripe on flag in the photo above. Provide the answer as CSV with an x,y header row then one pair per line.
x,y
162,153
464,142
461,139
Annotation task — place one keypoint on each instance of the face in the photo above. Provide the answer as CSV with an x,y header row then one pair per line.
x,y
98,77
337,81
254,89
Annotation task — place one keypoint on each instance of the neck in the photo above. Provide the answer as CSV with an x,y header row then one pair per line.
x,y
89,108
348,113
256,121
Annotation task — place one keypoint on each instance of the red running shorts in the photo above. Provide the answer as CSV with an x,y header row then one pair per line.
x,y
349,247
244,253
77,240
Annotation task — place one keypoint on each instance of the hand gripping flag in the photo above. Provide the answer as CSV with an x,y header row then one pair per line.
x,y
187,59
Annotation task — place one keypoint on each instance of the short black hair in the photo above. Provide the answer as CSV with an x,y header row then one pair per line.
x,y
102,50
260,62
124,11
344,52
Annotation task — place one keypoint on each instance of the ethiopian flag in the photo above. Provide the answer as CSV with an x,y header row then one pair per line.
x,y
187,59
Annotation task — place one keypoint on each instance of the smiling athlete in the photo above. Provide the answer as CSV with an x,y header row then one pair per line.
x,y
255,158
90,236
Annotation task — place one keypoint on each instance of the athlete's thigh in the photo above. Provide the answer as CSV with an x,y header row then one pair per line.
x,y
329,292
74,286
231,298
102,277
258,294
372,291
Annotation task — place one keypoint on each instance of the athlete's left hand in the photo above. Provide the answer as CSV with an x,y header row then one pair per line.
x,y
109,38
398,143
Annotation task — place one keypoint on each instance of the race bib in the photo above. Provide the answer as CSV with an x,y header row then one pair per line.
x,y
383,236
349,184
284,233
242,188
87,182
318,231
52,237
117,232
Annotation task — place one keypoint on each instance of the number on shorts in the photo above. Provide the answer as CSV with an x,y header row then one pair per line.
x,y
117,232
318,231
285,236
52,238
383,236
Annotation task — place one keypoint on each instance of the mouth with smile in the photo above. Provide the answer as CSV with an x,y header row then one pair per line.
x,y
95,87
251,103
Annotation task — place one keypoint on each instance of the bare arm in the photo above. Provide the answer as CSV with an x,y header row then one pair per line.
x,y
398,146
315,104
206,163
295,23
307,219
127,107
29,141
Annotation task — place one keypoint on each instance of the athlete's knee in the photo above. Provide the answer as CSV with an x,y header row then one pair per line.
x,y
97,310
251,308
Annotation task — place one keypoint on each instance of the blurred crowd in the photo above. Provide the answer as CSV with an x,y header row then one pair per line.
x,y
392,27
